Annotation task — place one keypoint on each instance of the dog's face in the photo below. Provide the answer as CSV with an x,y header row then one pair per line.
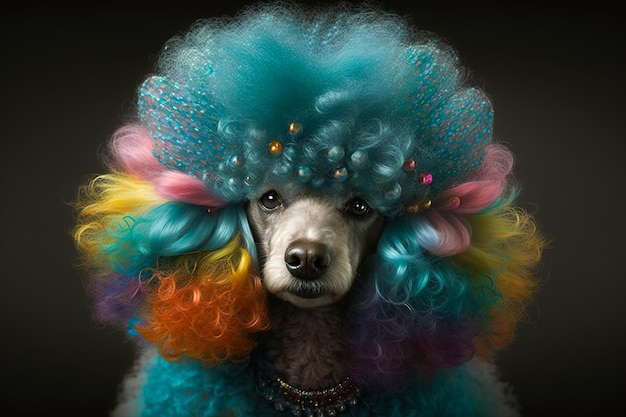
x,y
310,246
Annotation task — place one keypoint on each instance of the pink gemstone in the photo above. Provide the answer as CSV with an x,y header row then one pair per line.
x,y
409,164
425,178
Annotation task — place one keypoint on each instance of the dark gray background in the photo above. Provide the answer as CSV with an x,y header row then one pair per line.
x,y
556,78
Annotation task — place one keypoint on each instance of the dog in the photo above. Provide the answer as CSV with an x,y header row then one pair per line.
x,y
309,216
311,247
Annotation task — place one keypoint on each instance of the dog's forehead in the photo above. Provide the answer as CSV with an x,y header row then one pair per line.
x,y
289,192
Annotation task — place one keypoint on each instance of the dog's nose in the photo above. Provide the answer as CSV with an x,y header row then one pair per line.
x,y
307,260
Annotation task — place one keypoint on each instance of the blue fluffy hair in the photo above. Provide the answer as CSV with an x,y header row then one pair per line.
x,y
365,95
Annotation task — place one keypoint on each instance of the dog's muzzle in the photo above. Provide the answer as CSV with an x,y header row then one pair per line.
x,y
307,260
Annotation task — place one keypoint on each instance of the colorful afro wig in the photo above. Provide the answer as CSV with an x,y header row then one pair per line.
x,y
344,99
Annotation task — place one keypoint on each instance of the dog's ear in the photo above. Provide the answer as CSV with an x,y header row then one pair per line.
x,y
448,283
167,259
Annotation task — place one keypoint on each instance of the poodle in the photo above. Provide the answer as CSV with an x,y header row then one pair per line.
x,y
309,216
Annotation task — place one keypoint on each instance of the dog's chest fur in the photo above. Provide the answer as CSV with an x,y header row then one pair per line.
x,y
305,347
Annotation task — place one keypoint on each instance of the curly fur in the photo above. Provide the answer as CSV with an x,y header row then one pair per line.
x,y
383,113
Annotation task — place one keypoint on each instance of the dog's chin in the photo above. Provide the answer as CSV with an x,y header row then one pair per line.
x,y
308,300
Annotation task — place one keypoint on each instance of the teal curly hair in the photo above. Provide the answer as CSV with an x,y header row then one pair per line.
x,y
348,101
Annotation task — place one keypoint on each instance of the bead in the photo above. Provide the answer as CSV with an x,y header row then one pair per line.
x,y
409,164
335,153
304,173
394,193
359,158
455,202
295,128
235,161
413,208
418,207
340,173
275,147
425,178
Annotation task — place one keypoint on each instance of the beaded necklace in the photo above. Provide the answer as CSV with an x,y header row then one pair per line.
x,y
328,402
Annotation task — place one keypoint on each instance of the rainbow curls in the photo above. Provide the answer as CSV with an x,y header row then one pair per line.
x,y
450,232
132,147
448,283
166,258
205,306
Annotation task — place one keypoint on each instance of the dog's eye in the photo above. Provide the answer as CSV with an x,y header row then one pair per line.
x,y
270,200
358,207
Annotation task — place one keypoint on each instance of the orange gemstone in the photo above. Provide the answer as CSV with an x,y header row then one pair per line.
x,y
275,147
295,128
